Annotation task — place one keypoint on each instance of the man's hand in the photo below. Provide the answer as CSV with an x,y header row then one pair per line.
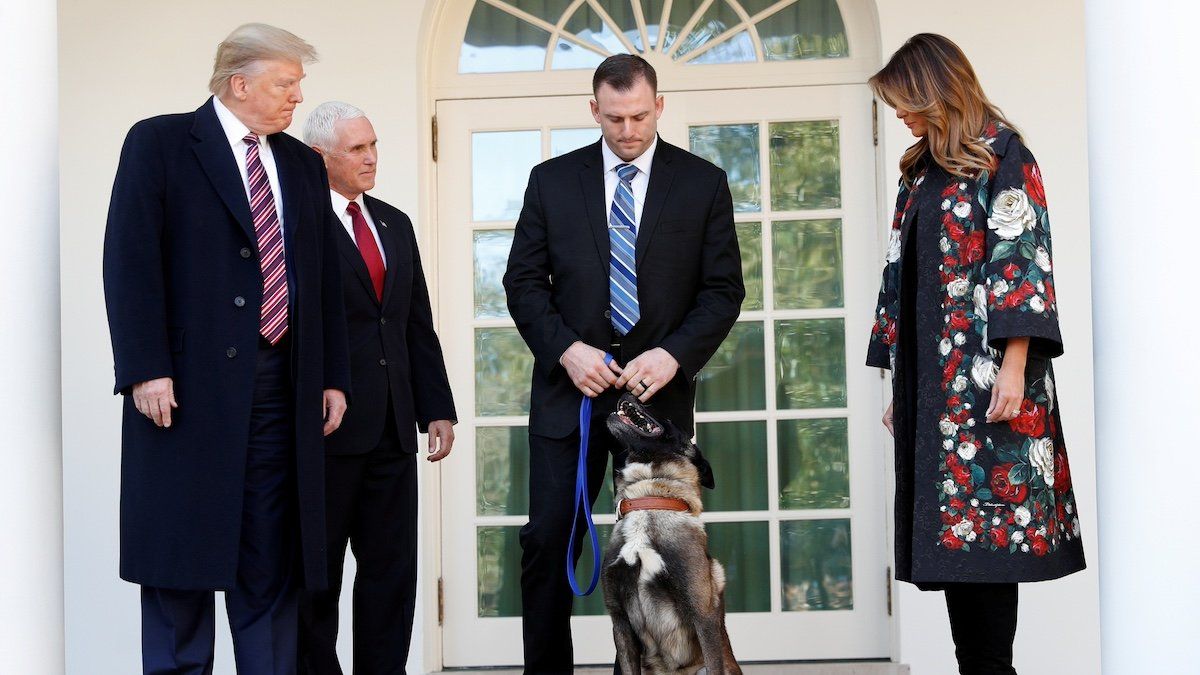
x,y
587,370
155,399
648,373
335,408
441,439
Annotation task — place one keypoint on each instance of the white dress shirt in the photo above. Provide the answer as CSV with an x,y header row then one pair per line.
x,y
235,132
340,204
639,183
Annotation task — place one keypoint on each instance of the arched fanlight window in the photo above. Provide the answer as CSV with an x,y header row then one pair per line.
x,y
534,35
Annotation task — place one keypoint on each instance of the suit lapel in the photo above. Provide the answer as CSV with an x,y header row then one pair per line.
x,y
661,176
391,248
591,180
289,185
216,158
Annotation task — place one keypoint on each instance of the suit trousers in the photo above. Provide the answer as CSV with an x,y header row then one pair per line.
x,y
983,622
546,596
371,502
178,626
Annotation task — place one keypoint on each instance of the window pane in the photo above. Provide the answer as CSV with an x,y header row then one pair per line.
x,y
816,565
549,11
808,264
587,25
681,12
591,605
805,165
737,452
563,141
501,471
495,194
718,18
491,258
735,377
568,55
734,148
503,369
498,42
737,49
809,29
750,243
744,551
498,566
652,11
814,464
810,363
621,11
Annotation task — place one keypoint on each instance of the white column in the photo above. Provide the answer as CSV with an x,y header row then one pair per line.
x,y
31,559
1144,151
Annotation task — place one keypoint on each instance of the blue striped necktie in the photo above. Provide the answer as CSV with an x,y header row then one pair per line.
x,y
622,237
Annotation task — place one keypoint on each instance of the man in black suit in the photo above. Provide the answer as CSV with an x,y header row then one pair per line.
x,y
399,384
626,246
229,339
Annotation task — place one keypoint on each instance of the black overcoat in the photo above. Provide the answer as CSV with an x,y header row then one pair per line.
x,y
969,266
689,277
183,288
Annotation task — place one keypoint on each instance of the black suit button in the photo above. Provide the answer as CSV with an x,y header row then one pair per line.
x,y
607,314
382,321
231,352
245,252
239,301
383,362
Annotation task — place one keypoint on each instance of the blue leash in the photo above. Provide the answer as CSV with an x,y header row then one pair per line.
x,y
581,499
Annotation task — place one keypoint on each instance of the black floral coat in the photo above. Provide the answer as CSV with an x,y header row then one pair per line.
x,y
968,266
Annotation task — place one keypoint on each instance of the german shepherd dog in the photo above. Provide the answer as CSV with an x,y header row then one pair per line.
x,y
665,595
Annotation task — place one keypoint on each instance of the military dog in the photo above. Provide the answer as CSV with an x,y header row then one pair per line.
x,y
665,595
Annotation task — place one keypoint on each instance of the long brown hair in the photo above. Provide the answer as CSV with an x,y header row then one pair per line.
x,y
930,76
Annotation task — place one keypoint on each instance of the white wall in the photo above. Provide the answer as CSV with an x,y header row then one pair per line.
x,y
1029,56
124,61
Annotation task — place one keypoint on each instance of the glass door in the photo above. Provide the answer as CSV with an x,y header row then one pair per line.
x,y
798,516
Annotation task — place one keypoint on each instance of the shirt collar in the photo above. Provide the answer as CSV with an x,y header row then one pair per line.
x,y
611,161
340,203
235,130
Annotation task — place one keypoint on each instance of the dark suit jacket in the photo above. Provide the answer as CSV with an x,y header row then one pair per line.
x,y
394,353
689,276
183,288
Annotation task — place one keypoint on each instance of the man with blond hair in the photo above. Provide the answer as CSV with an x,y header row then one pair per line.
x,y
221,279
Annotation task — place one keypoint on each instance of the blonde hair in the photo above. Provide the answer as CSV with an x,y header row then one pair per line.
x,y
930,76
244,50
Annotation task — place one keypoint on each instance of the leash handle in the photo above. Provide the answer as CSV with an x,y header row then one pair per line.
x,y
581,499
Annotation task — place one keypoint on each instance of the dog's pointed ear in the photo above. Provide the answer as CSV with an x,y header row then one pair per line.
x,y
702,465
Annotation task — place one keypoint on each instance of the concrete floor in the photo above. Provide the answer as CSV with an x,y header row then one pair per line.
x,y
858,668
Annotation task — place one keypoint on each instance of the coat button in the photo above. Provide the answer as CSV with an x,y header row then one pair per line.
x,y
383,362
382,321
231,352
607,314
245,252
239,301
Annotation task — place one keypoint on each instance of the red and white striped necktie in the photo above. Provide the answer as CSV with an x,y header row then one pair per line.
x,y
273,317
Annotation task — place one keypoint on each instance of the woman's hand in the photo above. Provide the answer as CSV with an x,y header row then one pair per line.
x,y
1009,390
887,419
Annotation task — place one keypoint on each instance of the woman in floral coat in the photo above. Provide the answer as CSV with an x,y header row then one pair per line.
x,y
967,322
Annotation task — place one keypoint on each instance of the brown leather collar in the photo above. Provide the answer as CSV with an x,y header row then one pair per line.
x,y
651,504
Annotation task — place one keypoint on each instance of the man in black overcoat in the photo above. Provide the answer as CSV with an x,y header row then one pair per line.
x,y
626,246
221,279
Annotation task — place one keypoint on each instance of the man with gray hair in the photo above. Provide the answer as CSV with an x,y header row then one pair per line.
x,y
400,386
221,279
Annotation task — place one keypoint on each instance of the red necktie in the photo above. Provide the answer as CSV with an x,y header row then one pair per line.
x,y
367,247
273,315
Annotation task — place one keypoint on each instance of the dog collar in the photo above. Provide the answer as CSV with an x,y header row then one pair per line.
x,y
624,506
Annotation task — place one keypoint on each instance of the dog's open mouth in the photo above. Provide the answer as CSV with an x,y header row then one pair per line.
x,y
632,414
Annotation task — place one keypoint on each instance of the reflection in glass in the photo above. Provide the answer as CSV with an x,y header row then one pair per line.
x,y
814,464
498,195
744,551
808,263
737,452
735,377
498,567
750,243
501,471
568,55
816,565
737,49
753,7
810,363
805,165
498,42
503,367
717,19
808,29
681,13
734,148
621,12
563,141
652,11
491,258
586,24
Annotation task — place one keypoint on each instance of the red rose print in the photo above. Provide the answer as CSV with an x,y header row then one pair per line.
x,y
971,249
949,190
1011,271
1031,421
962,475
1000,537
1039,545
1062,473
950,541
1049,292
950,262
948,518
959,320
955,231
1013,494
1033,185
